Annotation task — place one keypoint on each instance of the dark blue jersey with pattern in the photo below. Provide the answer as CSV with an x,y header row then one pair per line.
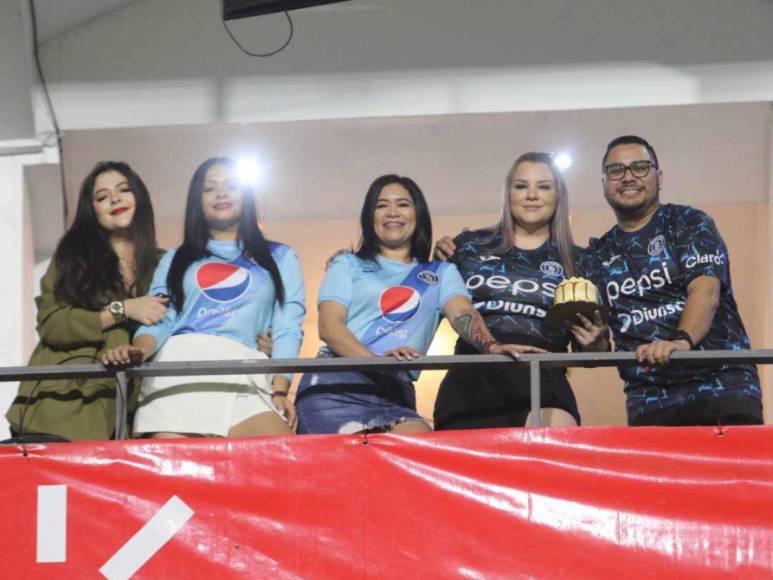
x,y
645,275
514,291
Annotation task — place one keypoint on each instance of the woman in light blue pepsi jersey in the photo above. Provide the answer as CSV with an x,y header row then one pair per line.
x,y
385,300
225,283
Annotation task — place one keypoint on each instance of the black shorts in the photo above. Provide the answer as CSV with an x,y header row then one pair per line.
x,y
498,397
722,411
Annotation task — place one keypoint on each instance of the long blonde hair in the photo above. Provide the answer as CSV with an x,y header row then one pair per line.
x,y
560,231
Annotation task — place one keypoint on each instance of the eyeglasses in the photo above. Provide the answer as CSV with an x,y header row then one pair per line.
x,y
616,171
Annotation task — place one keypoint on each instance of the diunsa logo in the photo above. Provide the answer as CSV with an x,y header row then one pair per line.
x,y
656,245
551,268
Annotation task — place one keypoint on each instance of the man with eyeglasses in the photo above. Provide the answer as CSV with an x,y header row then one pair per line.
x,y
666,278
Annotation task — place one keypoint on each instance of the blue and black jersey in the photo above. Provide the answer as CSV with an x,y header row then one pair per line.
x,y
645,275
514,291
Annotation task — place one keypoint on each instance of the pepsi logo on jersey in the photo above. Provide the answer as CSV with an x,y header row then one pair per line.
x,y
399,303
630,286
222,282
522,286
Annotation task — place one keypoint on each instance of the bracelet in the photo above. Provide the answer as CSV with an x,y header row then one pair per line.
x,y
278,393
488,345
684,335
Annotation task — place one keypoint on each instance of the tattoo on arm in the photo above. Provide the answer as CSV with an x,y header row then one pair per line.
x,y
470,326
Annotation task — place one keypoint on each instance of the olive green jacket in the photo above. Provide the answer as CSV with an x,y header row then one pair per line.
x,y
76,409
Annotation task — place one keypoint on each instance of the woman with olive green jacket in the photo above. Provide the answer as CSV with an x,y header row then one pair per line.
x,y
91,297
75,409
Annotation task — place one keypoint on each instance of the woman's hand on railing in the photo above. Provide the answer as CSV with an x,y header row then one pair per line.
x,y
513,350
123,355
402,352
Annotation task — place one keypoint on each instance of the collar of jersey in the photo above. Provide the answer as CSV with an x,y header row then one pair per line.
x,y
646,228
381,258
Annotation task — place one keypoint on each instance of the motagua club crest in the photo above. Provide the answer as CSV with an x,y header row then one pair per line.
x,y
656,245
428,277
551,268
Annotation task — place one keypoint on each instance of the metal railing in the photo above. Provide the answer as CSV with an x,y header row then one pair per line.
x,y
302,365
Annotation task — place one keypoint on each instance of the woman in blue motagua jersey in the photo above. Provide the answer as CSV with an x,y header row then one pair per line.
x,y
385,299
226,283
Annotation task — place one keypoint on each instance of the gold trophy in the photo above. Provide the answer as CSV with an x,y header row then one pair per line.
x,y
575,296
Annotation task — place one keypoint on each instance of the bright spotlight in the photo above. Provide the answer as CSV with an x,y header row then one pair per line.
x,y
563,161
248,170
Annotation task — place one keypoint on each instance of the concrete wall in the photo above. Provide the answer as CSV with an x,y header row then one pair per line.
x,y
16,291
16,114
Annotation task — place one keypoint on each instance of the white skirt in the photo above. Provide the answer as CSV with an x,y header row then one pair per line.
x,y
202,404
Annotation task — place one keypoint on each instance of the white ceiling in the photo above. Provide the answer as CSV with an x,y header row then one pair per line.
x,y
169,62
56,17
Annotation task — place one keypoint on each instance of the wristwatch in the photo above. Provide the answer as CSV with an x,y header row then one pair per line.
x,y
118,310
683,335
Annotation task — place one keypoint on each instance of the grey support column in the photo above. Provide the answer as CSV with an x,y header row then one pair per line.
x,y
536,416
121,402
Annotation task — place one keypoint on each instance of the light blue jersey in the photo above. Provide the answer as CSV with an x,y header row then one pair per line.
x,y
227,294
391,304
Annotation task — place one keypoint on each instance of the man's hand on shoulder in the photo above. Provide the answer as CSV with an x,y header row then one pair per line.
x,y
339,252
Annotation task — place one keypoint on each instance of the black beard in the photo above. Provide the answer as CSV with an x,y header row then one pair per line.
x,y
628,211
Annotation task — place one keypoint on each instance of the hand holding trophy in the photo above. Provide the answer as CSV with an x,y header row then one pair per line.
x,y
575,296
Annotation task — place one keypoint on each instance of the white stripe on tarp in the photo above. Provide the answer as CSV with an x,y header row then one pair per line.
x,y
52,524
150,539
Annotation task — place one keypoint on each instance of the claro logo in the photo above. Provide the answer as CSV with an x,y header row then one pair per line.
x,y
698,259
517,288
631,286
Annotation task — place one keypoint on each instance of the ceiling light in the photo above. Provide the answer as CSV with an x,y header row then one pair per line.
x,y
563,161
248,170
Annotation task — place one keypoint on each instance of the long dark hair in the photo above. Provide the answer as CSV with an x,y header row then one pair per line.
x,y
421,242
196,236
88,269
560,231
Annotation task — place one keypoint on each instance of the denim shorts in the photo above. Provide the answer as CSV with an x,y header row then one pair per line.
x,y
351,402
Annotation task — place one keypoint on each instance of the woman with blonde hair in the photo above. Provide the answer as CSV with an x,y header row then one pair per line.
x,y
512,270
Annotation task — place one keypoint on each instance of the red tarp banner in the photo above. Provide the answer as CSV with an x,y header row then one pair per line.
x,y
573,503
